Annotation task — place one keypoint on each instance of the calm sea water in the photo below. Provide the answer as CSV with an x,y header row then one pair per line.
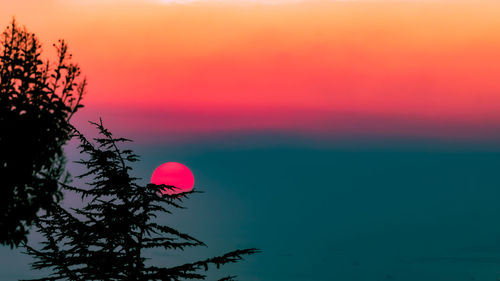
x,y
407,212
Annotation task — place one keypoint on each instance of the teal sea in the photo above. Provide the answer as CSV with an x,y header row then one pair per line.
x,y
325,211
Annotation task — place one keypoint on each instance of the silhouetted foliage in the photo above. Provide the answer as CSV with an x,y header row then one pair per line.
x,y
37,100
106,238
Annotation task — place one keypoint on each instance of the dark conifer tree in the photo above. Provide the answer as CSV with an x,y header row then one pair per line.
x,y
106,239
37,99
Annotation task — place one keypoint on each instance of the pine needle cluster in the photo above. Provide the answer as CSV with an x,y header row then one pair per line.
x,y
106,239
37,100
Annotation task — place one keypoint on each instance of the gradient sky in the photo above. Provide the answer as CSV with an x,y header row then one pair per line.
x,y
320,68
350,140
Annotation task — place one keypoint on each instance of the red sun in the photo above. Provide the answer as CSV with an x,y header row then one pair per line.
x,y
176,174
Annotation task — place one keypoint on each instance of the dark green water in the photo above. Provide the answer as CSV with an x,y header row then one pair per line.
x,y
329,212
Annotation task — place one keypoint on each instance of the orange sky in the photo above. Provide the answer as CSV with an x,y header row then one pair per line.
x,y
293,66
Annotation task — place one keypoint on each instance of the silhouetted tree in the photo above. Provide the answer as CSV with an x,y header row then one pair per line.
x,y
106,239
37,100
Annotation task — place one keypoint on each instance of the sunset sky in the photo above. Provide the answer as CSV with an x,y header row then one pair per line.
x,y
349,140
421,69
